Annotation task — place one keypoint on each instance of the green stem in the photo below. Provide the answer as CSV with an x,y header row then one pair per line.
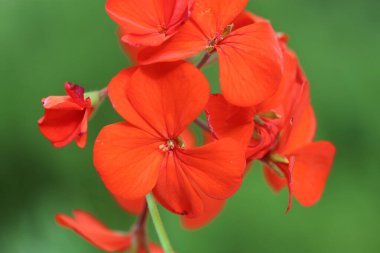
x,y
204,60
162,235
202,124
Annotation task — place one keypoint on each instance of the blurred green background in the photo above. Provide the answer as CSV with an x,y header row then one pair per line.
x,y
44,43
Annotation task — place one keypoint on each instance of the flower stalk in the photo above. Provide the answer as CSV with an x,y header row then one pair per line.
x,y
159,226
204,60
202,124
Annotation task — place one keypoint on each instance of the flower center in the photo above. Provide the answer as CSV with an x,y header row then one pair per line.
x,y
212,43
171,144
162,29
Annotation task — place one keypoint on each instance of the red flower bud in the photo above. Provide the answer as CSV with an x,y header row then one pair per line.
x,y
66,117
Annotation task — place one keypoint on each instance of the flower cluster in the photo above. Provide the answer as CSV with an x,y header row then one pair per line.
x,y
263,113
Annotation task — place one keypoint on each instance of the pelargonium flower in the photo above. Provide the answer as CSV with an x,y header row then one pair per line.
x,y
147,154
250,58
136,206
148,22
280,132
65,118
99,235
212,207
258,126
303,163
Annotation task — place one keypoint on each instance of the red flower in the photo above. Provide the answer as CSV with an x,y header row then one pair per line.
x,y
305,164
250,58
99,235
280,132
147,153
148,22
66,117
212,207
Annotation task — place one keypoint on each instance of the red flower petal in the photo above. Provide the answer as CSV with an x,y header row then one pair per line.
x,y
169,96
302,132
82,137
61,103
289,92
128,160
212,207
212,16
312,167
76,92
81,140
59,126
215,170
300,127
148,22
175,191
95,232
229,121
131,51
187,42
189,138
117,92
153,249
208,19
135,206
247,18
250,62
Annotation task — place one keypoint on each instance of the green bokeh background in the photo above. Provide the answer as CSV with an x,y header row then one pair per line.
x,y
44,43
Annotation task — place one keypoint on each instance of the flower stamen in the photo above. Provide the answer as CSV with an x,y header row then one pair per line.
x,y
172,144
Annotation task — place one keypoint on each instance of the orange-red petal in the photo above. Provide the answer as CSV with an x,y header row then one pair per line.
x,y
61,103
154,248
95,232
208,19
312,167
215,170
175,191
148,22
128,160
169,96
212,16
302,132
134,206
189,138
117,92
131,51
289,92
230,121
212,207
247,18
61,126
188,41
250,64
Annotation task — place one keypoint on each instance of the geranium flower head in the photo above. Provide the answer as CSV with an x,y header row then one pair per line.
x,y
99,235
65,118
147,153
280,132
250,58
148,22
